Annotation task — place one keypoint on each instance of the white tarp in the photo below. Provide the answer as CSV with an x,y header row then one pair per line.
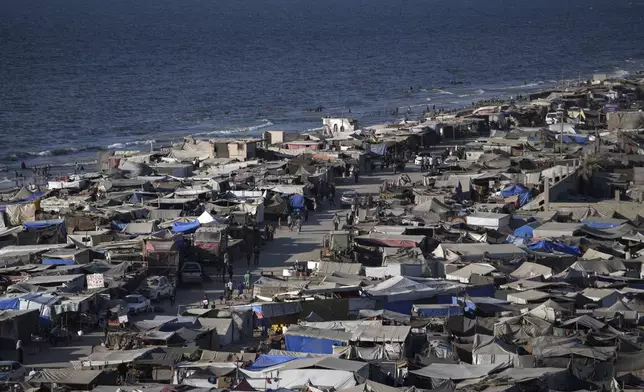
x,y
104,358
299,378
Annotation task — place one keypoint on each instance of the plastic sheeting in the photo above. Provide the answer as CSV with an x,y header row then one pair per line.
x,y
378,149
298,378
551,247
296,201
267,361
519,190
10,304
58,262
185,227
526,231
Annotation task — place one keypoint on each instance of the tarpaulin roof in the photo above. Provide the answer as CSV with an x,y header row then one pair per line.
x,y
400,288
603,223
296,201
58,262
103,358
391,240
329,334
267,360
609,233
66,376
185,227
527,230
551,247
43,224
519,190
9,304
450,371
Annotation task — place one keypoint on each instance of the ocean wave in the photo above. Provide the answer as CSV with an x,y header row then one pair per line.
x,y
463,95
619,73
444,92
237,130
47,153
132,143
479,91
527,85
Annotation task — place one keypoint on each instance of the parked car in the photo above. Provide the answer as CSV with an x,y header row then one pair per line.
x,y
554,118
137,303
419,158
158,287
191,272
348,198
12,371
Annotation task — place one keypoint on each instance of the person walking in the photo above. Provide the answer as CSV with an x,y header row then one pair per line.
x,y
240,289
256,254
298,222
173,295
336,221
230,271
205,302
289,221
229,287
225,267
248,256
247,280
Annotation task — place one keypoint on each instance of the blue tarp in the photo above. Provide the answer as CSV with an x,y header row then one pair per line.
x,y
57,262
10,304
574,139
296,201
520,190
551,246
136,199
378,149
185,227
440,311
526,231
304,344
115,225
602,223
266,360
43,224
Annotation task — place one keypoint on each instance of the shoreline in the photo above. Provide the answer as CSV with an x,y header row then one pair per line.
x,y
448,101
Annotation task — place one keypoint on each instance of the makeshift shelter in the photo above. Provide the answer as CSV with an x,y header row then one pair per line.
x,y
489,220
314,340
521,191
492,350
529,270
47,231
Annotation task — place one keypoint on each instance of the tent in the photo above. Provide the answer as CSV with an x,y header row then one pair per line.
x,y
48,231
554,247
519,190
296,201
488,350
527,230
185,227
314,340
267,360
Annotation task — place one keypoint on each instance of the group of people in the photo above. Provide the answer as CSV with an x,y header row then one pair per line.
x,y
229,290
430,162
294,222
254,254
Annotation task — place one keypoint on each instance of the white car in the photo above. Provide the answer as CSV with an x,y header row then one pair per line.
x,y
554,118
12,371
158,287
419,158
137,303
